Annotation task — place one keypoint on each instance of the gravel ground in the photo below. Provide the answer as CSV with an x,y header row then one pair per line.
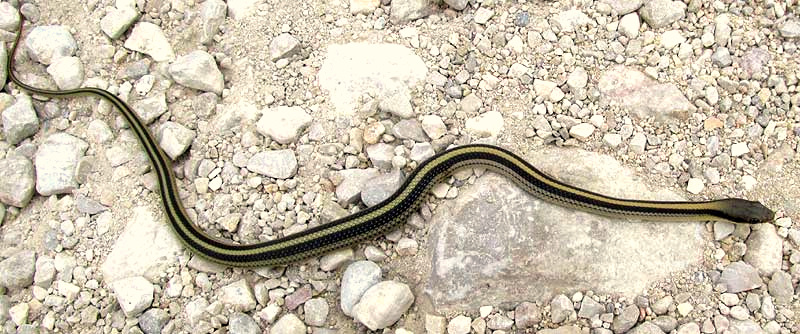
x,y
282,116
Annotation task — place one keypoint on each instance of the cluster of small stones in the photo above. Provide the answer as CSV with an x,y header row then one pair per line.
x,y
258,171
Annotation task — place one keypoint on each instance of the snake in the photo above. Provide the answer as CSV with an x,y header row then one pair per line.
x,y
394,211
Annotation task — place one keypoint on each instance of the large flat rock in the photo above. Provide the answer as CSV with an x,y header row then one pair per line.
x,y
352,70
495,244
145,248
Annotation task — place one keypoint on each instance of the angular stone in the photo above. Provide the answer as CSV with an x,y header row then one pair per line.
x,y
626,320
19,120
365,7
765,249
238,9
212,13
283,46
118,20
238,295
16,180
357,279
280,164
174,139
740,276
9,17
55,163
67,72
661,13
353,183
572,19
561,309
149,39
16,271
47,43
198,70
780,287
383,304
150,108
646,328
134,294
590,308
381,187
283,124
623,7
409,10
527,315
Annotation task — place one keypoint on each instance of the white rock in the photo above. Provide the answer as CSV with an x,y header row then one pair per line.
x,y
578,78
516,45
353,181
9,17
238,9
723,229
572,19
134,294
280,164
289,324
150,108
489,124
685,308
238,295
47,43
212,14
198,70
407,247
556,95
483,15
335,259
174,138
283,46
671,39
582,131
695,185
739,149
283,124
740,276
19,313
457,4
612,139
67,72
543,88
149,39
517,70
20,120
352,70
146,247
433,126
629,25
55,163
383,304
118,20
459,325
397,102
356,279
764,249
638,143
365,7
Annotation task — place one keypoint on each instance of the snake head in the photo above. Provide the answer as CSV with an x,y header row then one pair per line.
x,y
740,210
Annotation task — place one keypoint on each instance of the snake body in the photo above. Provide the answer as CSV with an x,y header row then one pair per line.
x,y
392,212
